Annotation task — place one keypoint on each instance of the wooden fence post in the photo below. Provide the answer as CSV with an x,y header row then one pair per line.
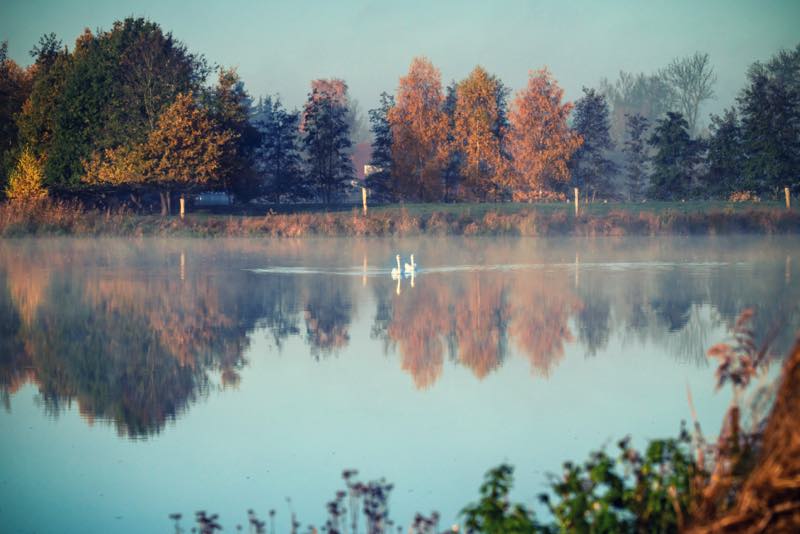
x,y
787,273
364,198
577,201
788,198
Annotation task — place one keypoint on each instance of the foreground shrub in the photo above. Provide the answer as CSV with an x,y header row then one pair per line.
x,y
748,481
493,513
650,492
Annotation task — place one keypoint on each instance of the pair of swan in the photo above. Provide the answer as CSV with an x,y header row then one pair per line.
x,y
410,268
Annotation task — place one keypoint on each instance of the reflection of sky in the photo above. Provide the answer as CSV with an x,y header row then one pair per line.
x,y
295,423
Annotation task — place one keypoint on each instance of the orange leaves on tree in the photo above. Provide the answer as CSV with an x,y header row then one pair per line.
x,y
539,140
187,147
186,150
118,166
419,131
333,89
330,90
478,132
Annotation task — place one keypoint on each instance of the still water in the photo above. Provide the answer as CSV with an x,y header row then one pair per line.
x,y
145,377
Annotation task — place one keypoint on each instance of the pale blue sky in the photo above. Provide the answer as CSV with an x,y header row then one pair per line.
x,y
280,46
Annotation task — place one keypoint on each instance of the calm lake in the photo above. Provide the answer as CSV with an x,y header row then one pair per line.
x,y
145,377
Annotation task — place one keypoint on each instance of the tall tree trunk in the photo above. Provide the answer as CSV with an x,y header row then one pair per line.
x,y
166,204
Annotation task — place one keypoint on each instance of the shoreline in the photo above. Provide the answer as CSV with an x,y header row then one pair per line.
x,y
69,219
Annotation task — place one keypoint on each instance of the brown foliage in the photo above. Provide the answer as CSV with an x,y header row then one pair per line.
x,y
333,89
478,133
183,316
491,312
419,130
540,321
187,146
769,498
117,166
417,327
540,141
187,150
27,286
479,324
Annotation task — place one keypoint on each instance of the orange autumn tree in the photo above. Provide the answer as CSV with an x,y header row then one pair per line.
x,y
539,139
184,152
186,149
419,132
124,165
478,133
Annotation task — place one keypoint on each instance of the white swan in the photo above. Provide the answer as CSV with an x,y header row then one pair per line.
x,y
396,272
411,267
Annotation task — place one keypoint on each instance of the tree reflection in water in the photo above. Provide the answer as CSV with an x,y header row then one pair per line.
x,y
327,313
135,331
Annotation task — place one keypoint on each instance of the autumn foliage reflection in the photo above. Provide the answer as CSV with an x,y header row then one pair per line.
x,y
129,347
134,332
475,316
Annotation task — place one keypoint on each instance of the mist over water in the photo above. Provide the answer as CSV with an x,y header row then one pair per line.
x,y
145,377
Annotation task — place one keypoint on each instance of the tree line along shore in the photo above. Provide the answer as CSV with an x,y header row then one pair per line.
x,y
126,119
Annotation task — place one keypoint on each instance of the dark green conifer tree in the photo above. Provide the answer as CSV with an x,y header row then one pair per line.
x,y
675,158
590,167
379,181
278,159
635,151
725,158
326,139
770,112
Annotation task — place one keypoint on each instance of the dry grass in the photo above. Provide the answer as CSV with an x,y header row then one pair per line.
x,y
48,217
768,500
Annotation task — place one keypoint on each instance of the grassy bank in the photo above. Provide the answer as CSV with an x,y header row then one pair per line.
x,y
70,218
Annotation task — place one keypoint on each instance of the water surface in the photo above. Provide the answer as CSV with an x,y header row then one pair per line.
x,y
145,377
